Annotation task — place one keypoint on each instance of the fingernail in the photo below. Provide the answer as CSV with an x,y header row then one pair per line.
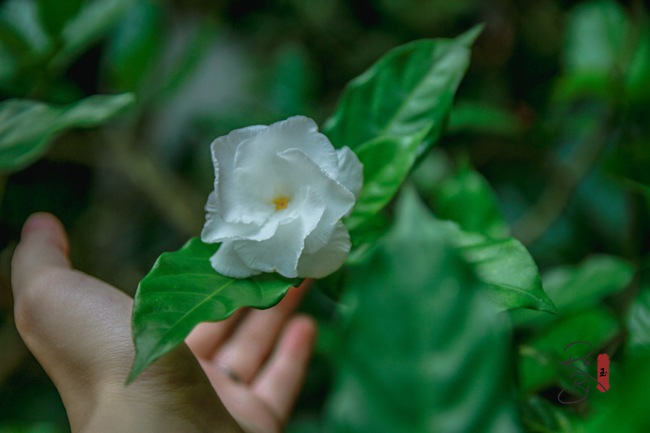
x,y
36,221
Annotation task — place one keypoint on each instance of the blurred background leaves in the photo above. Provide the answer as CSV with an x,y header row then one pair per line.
x,y
414,359
547,141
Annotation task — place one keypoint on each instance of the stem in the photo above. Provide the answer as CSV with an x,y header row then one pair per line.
x,y
176,201
564,180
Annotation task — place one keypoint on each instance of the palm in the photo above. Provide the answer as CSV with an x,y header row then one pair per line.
x,y
68,318
268,350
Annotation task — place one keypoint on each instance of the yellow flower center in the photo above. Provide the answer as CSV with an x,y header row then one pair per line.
x,y
281,203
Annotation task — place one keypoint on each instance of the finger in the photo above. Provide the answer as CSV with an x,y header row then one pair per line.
x,y
43,246
206,338
245,352
251,413
78,328
280,381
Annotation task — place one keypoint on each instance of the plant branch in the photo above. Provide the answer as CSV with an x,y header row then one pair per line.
x,y
565,177
176,201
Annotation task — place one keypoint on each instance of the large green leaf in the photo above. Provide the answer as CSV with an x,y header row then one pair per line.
x,y
421,347
392,113
27,127
183,290
505,265
578,288
386,163
408,91
467,198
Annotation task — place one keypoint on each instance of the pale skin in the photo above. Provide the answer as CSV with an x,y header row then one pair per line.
x,y
78,328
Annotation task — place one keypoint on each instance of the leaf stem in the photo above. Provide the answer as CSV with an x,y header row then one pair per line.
x,y
564,181
176,201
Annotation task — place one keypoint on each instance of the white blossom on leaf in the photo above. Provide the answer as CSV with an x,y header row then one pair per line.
x,y
280,192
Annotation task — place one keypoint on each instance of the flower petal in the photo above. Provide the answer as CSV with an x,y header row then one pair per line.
x,y
240,202
298,132
223,154
233,202
320,235
350,171
212,205
300,170
227,262
218,230
329,258
281,252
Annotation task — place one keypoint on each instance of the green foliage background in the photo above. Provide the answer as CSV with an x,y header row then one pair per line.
x,y
547,141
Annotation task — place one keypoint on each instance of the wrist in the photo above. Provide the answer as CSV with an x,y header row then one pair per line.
x,y
172,395
133,411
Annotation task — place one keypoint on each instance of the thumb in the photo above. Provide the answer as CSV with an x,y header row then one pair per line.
x,y
43,246
78,328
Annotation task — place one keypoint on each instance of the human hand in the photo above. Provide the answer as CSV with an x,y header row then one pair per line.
x,y
258,392
79,330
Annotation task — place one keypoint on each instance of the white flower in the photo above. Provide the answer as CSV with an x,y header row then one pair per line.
x,y
280,192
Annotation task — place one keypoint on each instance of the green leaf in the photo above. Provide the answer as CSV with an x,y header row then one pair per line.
x,y
639,320
597,37
183,290
433,169
408,91
21,28
55,13
637,85
12,39
597,51
134,46
579,288
643,189
391,114
540,366
202,38
505,265
622,409
638,317
290,80
467,198
482,118
423,348
94,20
386,163
27,127
372,229
540,416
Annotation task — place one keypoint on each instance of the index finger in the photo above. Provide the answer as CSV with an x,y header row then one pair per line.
x,y
207,338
